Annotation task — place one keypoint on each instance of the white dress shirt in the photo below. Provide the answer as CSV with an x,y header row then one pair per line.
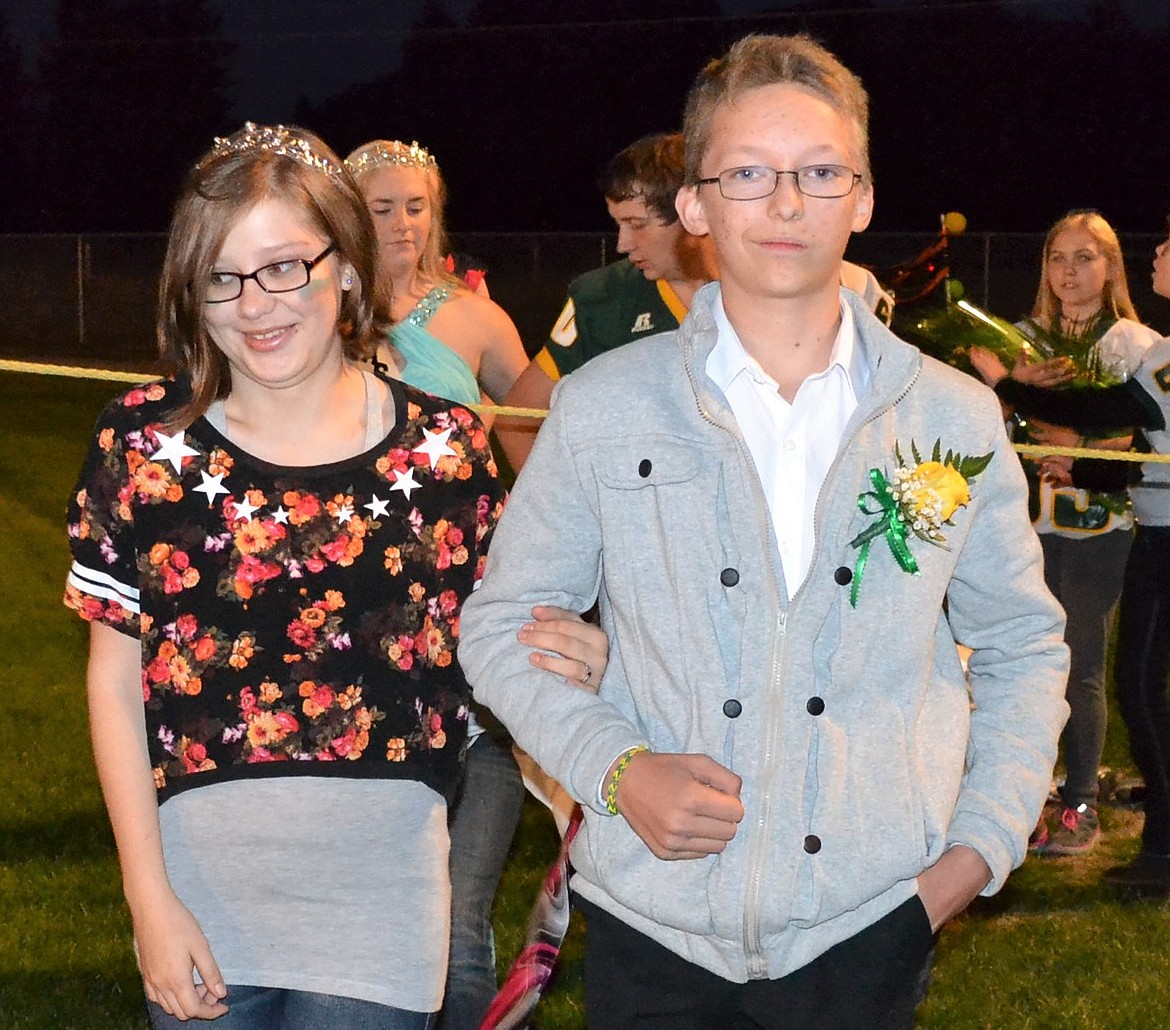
x,y
794,444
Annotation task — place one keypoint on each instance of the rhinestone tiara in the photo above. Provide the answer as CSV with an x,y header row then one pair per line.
x,y
276,139
389,152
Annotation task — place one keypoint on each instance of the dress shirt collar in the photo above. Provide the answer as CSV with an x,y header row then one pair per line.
x,y
728,358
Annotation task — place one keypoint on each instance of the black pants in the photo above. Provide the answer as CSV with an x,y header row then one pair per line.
x,y
873,981
1142,663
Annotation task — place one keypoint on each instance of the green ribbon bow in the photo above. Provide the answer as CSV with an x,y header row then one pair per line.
x,y
896,531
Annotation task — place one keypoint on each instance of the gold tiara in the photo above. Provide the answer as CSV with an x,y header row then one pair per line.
x,y
389,152
276,139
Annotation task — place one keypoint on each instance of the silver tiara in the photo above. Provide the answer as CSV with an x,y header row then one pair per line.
x,y
276,139
389,152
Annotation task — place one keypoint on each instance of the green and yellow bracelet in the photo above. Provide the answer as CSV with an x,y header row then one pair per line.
x,y
616,778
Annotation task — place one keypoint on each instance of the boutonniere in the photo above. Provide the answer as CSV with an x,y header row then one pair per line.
x,y
919,500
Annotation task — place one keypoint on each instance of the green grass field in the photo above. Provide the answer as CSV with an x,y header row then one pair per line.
x,y
1054,949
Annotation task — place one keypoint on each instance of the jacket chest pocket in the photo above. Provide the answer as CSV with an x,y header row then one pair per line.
x,y
647,464
657,501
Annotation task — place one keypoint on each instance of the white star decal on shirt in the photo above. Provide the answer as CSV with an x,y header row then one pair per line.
x,y
344,514
280,516
435,446
212,486
246,509
377,507
405,483
172,449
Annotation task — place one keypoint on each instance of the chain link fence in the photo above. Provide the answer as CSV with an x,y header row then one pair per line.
x,y
90,300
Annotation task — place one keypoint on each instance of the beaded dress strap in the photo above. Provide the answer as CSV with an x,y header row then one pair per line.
x,y
425,309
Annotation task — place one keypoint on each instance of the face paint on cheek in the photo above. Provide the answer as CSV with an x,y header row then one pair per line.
x,y
315,287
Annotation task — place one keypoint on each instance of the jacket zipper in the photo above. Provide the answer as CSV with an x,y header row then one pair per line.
x,y
757,966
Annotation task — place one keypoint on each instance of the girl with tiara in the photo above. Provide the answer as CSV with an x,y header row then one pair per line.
x,y
272,548
447,338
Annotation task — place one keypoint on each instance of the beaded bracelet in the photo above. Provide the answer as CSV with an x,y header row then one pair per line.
x,y
616,778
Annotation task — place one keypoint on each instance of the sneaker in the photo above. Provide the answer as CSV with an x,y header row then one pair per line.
x,y
1132,795
1114,788
1077,833
1147,874
1039,837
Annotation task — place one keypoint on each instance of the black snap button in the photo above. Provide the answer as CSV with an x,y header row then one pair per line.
x,y
644,467
814,705
843,576
729,577
812,844
732,708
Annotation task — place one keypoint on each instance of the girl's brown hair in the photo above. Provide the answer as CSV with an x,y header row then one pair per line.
x,y
227,182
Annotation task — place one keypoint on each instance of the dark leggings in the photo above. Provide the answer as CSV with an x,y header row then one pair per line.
x,y
1141,668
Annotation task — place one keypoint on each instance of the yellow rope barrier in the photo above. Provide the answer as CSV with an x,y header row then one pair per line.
x,y
75,372
112,375
80,372
1032,450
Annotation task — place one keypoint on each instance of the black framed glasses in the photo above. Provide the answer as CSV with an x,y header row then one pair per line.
x,y
754,182
278,277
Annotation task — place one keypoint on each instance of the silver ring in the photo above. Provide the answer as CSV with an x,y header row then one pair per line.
x,y
588,672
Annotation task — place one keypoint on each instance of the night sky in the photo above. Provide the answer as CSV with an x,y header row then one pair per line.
x,y
1012,111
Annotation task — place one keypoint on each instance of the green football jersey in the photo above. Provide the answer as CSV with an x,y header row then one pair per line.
x,y
606,308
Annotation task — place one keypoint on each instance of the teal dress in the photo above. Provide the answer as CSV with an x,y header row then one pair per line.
x,y
485,816
430,365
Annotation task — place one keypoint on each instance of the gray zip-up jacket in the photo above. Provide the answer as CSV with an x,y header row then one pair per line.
x,y
864,751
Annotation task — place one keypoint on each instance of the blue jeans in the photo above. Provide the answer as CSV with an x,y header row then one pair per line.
x,y
1085,576
483,823
276,1008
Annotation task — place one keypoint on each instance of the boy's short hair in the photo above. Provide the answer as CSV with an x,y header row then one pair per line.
x,y
651,169
758,61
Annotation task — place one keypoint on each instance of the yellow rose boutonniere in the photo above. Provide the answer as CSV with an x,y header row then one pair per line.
x,y
918,501
932,492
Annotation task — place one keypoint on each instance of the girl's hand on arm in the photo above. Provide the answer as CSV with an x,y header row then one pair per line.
x,y
170,943
580,649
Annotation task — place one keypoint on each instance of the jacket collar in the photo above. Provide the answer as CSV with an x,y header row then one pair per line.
x,y
892,363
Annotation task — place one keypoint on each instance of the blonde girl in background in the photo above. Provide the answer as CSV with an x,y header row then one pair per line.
x,y
1083,305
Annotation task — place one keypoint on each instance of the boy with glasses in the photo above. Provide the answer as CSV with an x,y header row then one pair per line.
x,y
650,290
790,517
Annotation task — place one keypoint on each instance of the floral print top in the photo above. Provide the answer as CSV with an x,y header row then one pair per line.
x,y
292,620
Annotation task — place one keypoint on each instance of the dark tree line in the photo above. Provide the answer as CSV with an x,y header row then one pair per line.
x,y
127,93
16,124
993,109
